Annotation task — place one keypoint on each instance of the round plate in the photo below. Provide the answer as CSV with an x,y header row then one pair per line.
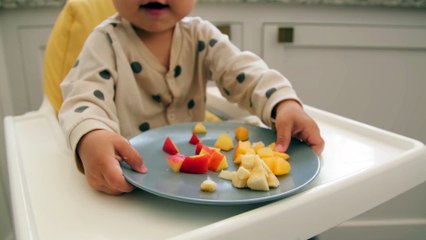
x,y
162,181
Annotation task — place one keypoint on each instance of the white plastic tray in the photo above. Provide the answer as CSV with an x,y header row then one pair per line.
x,y
51,199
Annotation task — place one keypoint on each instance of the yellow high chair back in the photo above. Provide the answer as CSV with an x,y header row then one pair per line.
x,y
72,27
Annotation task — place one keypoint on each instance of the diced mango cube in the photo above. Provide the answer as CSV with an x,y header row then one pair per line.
x,y
265,152
272,146
224,142
270,162
258,145
281,155
242,148
241,133
199,128
281,166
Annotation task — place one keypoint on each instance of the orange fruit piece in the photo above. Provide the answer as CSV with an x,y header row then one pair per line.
x,y
241,133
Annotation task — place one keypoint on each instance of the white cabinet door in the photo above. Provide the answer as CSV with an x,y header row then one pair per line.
x,y
372,73
33,43
24,35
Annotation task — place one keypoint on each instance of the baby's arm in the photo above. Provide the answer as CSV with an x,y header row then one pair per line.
x,y
101,152
245,78
88,116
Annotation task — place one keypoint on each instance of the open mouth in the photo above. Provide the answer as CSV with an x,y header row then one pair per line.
x,y
154,6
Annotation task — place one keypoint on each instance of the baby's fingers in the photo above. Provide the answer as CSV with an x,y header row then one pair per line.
x,y
283,137
127,153
115,183
314,140
311,136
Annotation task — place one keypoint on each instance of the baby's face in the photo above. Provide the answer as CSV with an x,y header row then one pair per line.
x,y
154,15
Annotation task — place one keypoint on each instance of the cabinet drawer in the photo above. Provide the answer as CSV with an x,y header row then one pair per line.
x,y
357,36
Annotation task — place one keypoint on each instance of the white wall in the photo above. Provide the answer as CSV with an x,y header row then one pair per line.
x,y
6,231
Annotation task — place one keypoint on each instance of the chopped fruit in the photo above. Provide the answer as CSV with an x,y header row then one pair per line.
x,y
206,150
198,148
282,155
194,139
269,161
243,173
272,158
224,142
270,176
281,167
248,160
169,147
223,164
243,147
208,186
210,117
272,146
195,164
215,160
265,152
253,173
258,145
226,174
238,182
175,161
199,128
257,181
241,133
266,168
272,180
259,165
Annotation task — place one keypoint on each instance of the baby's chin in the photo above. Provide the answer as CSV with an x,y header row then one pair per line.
x,y
148,30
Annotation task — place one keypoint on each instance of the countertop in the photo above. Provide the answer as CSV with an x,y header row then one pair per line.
x,y
376,3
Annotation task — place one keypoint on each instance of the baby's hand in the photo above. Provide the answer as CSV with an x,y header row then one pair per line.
x,y
100,152
292,120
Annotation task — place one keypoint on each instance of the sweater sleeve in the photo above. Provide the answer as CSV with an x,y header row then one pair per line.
x,y
88,91
242,76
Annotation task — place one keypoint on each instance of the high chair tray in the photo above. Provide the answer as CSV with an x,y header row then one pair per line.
x,y
51,199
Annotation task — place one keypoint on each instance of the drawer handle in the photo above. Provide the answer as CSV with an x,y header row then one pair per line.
x,y
285,34
225,29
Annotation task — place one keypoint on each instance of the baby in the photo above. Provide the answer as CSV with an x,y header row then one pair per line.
x,y
148,66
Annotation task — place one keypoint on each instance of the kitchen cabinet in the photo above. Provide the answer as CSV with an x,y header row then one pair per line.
x,y
370,68
365,63
25,33
368,72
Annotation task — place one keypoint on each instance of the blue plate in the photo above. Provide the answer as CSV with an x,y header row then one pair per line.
x,y
162,181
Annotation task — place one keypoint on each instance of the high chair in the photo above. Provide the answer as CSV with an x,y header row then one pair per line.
x,y
51,199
